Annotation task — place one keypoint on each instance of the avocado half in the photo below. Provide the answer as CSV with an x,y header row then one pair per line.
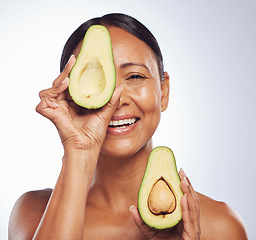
x,y
93,77
160,193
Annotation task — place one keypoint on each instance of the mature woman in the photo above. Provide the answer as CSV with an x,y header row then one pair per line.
x,y
103,164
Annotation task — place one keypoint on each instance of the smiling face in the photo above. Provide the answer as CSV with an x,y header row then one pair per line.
x,y
144,96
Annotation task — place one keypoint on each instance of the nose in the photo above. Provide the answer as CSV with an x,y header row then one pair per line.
x,y
125,98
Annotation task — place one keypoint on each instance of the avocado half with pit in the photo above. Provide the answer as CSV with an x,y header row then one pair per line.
x,y
93,77
160,193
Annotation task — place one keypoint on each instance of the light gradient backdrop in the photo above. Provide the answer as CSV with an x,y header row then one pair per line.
x,y
209,51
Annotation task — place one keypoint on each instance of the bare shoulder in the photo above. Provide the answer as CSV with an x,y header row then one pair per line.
x,y
220,221
27,213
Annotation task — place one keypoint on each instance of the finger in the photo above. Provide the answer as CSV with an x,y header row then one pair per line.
x,y
136,216
61,88
193,202
46,107
188,227
60,84
193,209
195,196
116,95
97,130
109,109
55,92
50,109
65,73
147,231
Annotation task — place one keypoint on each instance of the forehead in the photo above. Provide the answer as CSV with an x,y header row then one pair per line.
x,y
128,48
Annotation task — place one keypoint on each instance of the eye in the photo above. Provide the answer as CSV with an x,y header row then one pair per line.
x,y
135,79
136,76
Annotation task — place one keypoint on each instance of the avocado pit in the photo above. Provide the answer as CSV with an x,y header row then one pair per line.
x,y
161,200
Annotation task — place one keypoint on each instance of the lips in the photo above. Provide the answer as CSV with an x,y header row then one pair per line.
x,y
122,125
122,122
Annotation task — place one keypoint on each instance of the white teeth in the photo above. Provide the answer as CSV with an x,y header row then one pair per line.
x,y
115,123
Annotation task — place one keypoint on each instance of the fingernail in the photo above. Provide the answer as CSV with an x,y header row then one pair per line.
x,y
186,196
66,78
55,104
183,171
70,58
119,89
131,207
186,180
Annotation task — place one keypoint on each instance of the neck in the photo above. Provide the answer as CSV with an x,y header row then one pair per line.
x,y
117,180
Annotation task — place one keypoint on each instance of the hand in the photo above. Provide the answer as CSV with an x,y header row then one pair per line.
x,y
188,228
79,128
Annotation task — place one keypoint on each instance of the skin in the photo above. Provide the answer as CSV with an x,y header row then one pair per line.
x,y
97,188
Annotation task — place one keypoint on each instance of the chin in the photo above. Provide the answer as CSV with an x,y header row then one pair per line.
x,y
118,152
123,149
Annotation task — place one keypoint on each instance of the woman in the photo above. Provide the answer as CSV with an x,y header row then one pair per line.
x,y
103,163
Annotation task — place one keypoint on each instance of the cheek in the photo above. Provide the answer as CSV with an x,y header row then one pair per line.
x,y
149,99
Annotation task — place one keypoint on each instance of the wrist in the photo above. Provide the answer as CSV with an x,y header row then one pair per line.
x,y
81,153
83,161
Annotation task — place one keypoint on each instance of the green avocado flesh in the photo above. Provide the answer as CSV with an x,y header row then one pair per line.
x,y
160,193
93,77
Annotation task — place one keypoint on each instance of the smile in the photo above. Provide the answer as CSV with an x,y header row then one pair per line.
x,y
122,123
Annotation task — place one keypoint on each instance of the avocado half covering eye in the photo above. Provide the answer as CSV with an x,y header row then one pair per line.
x,y
93,77
160,193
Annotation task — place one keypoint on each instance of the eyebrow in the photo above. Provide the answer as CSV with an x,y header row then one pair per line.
x,y
129,64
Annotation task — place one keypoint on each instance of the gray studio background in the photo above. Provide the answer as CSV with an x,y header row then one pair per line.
x,y
209,51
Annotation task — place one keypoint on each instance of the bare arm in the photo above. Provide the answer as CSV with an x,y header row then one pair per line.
x,y
57,214
64,214
82,135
